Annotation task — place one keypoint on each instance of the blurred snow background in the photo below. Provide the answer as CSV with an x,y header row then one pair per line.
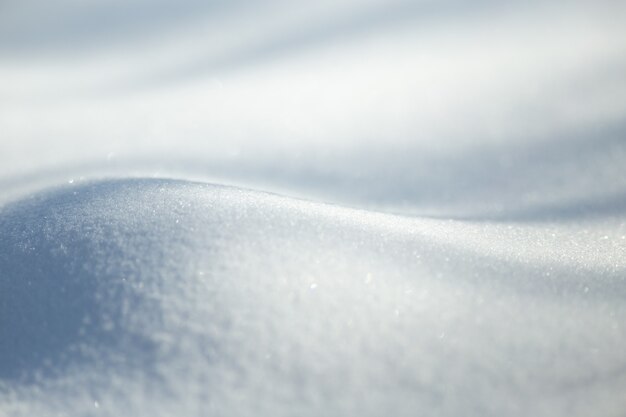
x,y
473,260
481,109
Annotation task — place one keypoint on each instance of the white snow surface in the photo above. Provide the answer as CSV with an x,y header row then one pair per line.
x,y
330,209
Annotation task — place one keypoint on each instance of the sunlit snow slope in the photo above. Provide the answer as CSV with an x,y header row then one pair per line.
x,y
157,297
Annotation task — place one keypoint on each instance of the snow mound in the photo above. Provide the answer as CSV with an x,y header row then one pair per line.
x,y
151,297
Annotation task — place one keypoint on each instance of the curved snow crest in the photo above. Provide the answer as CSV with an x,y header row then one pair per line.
x,y
161,297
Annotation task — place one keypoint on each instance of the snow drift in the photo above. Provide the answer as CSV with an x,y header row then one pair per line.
x,y
161,297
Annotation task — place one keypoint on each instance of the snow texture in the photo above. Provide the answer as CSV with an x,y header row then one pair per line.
x,y
340,208
161,297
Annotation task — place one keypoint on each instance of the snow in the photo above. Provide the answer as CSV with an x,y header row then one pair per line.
x,y
161,297
340,208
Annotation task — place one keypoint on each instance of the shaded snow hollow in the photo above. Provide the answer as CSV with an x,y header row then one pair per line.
x,y
149,297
